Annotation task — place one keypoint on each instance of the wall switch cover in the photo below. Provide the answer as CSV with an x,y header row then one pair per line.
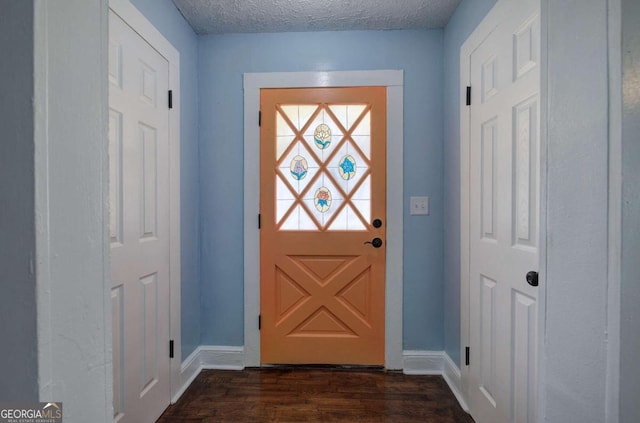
x,y
419,206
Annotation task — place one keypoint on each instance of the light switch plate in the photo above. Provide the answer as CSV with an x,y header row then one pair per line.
x,y
419,206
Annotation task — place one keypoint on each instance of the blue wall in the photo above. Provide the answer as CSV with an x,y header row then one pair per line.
x,y
466,17
168,20
222,61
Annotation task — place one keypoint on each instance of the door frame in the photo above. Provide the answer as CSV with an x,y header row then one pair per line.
x,y
139,23
253,83
479,34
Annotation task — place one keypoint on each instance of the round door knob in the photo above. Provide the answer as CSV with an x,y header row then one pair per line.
x,y
377,223
532,278
376,242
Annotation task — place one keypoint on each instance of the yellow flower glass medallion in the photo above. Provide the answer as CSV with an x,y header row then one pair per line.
x,y
322,136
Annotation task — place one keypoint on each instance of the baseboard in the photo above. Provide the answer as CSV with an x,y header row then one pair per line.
x,y
435,363
222,358
208,357
189,370
422,362
451,375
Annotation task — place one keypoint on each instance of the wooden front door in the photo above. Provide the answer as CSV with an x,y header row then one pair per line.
x,y
323,220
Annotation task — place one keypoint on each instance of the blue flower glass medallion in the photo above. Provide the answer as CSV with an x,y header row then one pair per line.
x,y
347,167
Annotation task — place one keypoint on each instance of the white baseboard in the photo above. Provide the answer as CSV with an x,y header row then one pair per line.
x,y
208,357
435,363
422,362
451,375
222,358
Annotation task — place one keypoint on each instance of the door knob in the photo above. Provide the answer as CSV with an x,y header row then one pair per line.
x,y
377,223
532,278
376,242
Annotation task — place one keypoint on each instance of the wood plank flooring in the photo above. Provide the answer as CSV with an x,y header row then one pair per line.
x,y
315,395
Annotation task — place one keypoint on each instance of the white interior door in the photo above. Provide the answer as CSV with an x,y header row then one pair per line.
x,y
504,216
139,205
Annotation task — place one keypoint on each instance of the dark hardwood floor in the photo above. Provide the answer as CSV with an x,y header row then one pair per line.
x,y
315,395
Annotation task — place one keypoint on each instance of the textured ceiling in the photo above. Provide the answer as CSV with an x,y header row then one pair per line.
x,y
236,16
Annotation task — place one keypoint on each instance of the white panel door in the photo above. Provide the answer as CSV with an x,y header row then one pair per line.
x,y
139,205
504,217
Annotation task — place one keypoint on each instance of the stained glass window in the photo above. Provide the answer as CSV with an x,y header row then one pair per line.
x,y
323,168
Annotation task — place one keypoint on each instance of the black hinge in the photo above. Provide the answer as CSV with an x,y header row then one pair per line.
x,y
259,321
171,348
171,99
468,96
260,118
466,355
259,220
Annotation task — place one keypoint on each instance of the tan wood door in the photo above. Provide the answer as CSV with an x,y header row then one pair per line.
x,y
322,205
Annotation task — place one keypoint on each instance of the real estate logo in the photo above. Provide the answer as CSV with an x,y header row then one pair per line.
x,y
37,412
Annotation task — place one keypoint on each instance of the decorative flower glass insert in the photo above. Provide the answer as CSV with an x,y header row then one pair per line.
x,y
322,136
299,167
323,167
322,199
347,167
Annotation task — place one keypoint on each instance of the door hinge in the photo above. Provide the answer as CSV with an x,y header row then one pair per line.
x,y
467,353
468,96
259,321
171,348
171,99
259,220
260,118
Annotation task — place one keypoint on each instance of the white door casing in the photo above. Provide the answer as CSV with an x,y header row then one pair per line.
x,y
500,174
144,150
394,81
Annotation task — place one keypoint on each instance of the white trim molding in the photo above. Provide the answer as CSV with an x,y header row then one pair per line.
x,y
140,24
451,374
208,357
422,362
394,81
435,363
